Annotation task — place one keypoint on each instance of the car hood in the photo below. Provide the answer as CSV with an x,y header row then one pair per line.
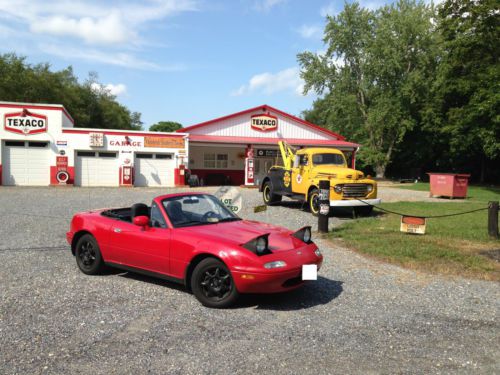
x,y
242,231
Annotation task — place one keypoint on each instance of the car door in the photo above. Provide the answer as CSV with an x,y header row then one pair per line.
x,y
144,248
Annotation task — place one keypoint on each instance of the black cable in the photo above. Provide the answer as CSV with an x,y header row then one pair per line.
x,y
424,217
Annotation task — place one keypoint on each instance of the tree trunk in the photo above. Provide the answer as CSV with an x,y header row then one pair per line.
x,y
380,171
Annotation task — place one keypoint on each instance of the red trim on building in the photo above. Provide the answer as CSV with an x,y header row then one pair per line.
x,y
133,134
44,107
265,109
273,141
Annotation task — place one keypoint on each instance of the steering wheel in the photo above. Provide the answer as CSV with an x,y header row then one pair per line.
x,y
208,215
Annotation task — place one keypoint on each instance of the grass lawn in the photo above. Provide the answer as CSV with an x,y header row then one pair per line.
x,y
457,245
474,193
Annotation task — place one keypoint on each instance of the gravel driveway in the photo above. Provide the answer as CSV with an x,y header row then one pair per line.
x,y
361,316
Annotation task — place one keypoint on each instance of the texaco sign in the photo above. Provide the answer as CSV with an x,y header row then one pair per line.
x,y
264,123
25,122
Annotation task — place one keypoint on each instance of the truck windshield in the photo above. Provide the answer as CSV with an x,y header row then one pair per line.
x,y
322,159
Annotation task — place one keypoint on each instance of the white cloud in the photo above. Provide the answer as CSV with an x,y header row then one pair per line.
x,y
116,90
110,58
94,22
310,31
271,83
267,5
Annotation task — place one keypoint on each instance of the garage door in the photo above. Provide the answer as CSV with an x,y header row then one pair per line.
x,y
26,163
154,169
96,168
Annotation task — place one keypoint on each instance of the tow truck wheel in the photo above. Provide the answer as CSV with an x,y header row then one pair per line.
x,y
268,196
314,202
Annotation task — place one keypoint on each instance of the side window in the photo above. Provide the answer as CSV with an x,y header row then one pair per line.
x,y
303,160
157,219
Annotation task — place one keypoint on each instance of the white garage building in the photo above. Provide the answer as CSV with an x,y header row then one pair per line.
x,y
39,145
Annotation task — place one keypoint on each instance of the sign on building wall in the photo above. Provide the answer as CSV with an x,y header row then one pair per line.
x,y
164,142
25,122
264,123
267,153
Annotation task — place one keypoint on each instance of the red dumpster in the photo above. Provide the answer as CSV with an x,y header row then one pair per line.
x,y
451,185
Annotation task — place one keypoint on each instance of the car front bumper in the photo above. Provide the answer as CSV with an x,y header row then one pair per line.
x,y
354,202
271,281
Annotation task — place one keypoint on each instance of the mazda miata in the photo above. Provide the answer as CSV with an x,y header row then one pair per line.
x,y
193,239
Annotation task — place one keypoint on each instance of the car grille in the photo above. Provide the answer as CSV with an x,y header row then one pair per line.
x,y
355,190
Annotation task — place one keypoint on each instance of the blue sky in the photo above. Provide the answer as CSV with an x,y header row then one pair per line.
x,y
180,60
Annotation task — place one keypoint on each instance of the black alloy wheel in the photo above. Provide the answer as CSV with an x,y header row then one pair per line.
x,y
88,255
212,284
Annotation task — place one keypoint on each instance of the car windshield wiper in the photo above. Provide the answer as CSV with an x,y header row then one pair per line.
x,y
229,219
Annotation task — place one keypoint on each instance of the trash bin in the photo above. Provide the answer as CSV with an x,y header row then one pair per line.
x,y
452,185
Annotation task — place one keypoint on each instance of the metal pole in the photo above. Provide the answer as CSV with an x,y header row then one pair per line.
x,y
324,206
493,219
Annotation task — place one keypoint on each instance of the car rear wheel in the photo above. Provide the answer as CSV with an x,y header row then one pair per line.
x,y
213,285
268,196
88,255
313,202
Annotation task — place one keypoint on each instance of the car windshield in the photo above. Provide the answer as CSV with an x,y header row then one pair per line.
x,y
199,209
322,159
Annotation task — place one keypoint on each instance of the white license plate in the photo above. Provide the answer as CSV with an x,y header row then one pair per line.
x,y
309,272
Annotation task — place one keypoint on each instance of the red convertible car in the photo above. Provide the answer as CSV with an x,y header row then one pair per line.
x,y
193,239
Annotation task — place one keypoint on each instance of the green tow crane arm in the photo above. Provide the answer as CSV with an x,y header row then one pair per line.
x,y
287,154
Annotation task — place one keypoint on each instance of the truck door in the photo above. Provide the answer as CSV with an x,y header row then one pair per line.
x,y
300,174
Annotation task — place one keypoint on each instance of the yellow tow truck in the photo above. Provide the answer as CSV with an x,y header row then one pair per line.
x,y
298,178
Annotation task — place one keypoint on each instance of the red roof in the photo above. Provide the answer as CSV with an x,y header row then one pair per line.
x,y
270,141
264,108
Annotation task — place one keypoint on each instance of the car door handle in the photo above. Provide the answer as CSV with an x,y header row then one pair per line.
x,y
117,230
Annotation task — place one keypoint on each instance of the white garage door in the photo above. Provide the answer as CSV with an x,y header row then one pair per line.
x,y
96,168
26,163
154,169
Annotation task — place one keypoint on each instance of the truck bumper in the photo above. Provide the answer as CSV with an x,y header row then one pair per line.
x,y
354,202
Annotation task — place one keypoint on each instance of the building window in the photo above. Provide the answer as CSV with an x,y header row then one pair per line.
x,y
215,161
209,161
221,160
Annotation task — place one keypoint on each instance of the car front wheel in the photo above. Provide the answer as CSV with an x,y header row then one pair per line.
x,y
88,255
213,285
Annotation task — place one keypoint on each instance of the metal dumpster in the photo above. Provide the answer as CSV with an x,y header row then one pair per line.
x,y
452,185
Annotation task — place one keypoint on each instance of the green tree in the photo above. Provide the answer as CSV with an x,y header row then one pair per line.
x,y
89,104
468,82
375,75
165,126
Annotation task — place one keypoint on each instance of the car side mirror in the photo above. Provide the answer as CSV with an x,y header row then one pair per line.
x,y
142,221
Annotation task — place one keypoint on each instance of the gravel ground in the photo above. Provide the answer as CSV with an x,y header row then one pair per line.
x,y
361,316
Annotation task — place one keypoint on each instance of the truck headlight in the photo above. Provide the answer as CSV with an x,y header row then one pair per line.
x,y
338,188
369,188
275,264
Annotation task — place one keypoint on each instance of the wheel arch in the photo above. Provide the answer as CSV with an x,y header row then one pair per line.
x,y
76,237
311,188
192,265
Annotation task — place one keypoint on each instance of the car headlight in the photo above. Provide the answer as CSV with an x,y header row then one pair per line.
x,y
338,188
317,252
275,264
258,245
369,188
304,234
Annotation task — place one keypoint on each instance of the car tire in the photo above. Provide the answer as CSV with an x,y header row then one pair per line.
x,y
313,202
213,285
268,196
88,255
363,211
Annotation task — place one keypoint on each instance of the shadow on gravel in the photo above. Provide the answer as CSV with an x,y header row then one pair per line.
x,y
314,293
342,213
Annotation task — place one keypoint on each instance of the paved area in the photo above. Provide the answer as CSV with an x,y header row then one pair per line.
x,y
360,317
